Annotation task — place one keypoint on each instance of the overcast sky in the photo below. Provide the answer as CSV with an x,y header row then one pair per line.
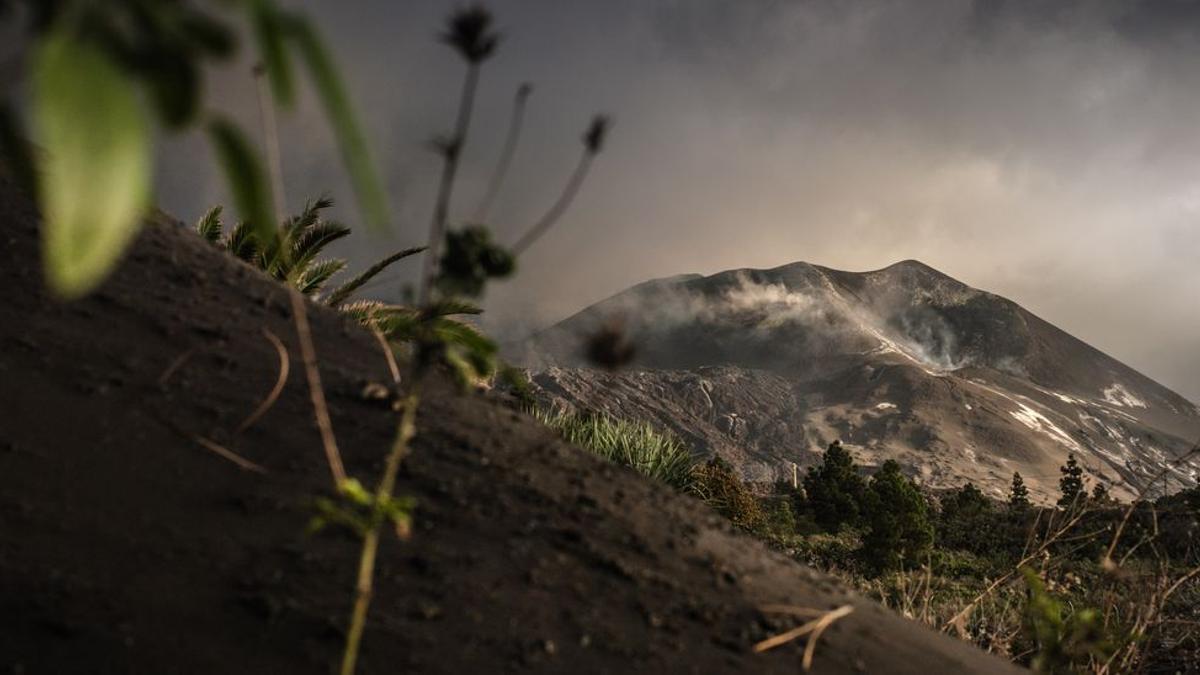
x,y
1045,151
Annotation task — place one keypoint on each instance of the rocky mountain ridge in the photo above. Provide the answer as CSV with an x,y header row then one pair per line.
x,y
765,367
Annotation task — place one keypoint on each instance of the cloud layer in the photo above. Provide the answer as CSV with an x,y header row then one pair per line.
x,y
1042,151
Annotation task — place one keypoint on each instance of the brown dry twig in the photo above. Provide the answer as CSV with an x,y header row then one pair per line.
x,y
387,354
273,395
320,409
229,455
175,365
813,629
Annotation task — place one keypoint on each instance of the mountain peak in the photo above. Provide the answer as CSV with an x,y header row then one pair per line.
x,y
904,362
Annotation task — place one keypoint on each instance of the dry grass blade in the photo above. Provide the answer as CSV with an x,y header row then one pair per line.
x,y
273,395
221,451
812,628
175,365
320,409
387,354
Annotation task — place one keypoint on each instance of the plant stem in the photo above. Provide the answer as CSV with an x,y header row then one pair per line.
x,y
405,431
564,200
506,155
441,209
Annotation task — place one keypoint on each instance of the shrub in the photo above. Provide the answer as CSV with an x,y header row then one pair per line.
x,y
968,521
636,445
716,483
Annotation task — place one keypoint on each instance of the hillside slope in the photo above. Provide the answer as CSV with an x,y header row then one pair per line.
x,y
127,547
768,366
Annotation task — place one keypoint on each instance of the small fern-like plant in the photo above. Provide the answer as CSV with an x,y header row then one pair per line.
x,y
292,255
657,455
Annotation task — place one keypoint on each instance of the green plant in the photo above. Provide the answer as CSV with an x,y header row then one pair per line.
x,y
124,61
438,340
292,254
130,63
637,445
1066,638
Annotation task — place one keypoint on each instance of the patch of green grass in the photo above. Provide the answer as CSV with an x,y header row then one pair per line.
x,y
637,445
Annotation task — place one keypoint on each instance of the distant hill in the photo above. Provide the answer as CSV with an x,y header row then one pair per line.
x,y
766,367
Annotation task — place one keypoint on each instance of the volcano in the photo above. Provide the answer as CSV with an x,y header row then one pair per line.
x,y
766,367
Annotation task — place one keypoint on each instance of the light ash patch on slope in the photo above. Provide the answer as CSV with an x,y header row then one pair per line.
x,y
1119,396
1040,423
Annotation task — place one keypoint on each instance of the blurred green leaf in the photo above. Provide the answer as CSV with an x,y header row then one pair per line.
x,y
355,492
208,34
270,31
96,173
247,180
345,125
175,82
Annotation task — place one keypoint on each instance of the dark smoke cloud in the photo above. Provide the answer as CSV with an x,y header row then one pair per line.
x,y
1045,151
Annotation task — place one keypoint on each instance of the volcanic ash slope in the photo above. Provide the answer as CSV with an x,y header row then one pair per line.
x,y
766,367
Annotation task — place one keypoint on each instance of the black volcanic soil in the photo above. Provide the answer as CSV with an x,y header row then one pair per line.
x,y
126,547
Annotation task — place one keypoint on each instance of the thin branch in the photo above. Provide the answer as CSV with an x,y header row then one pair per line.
x,y
280,380
229,455
506,154
558,208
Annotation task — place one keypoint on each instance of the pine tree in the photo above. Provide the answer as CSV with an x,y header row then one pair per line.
x,y
899,531
967,520
1018,494
835,490
1100,494
1071,483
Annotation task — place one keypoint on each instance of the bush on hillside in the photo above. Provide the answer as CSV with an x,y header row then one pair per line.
x,y
720,487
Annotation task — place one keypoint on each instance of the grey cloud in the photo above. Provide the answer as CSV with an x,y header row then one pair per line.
x,y
1045,151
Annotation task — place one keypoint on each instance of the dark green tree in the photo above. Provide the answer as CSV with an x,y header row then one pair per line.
x,y
967,520
898,528
1100,494
1071,483
1018,495
835,490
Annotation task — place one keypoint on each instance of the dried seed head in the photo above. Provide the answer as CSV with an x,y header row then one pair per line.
x,y
469,32
593,140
